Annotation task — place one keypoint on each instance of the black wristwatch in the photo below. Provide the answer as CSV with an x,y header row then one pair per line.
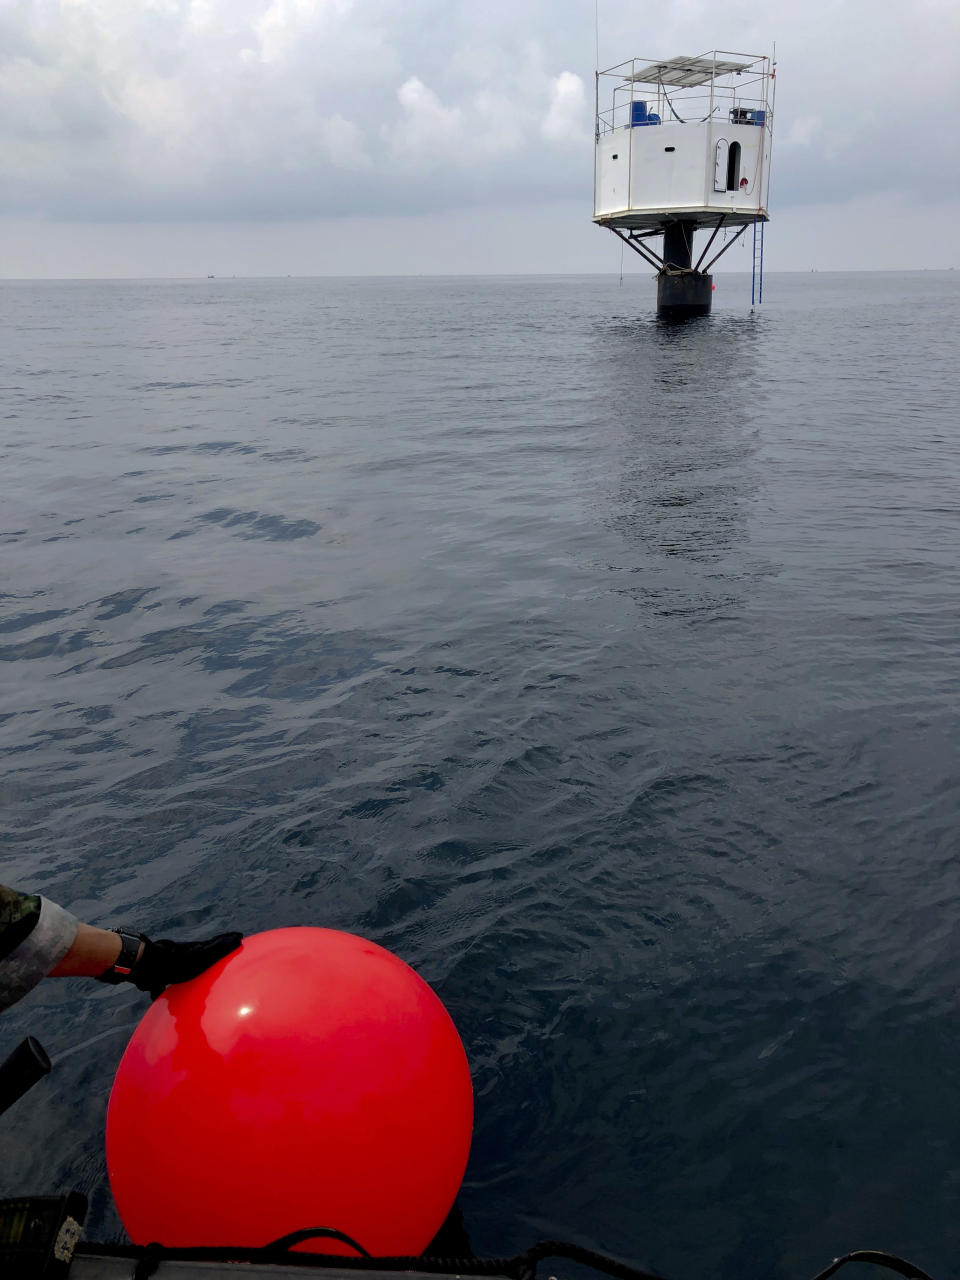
x,y
122,967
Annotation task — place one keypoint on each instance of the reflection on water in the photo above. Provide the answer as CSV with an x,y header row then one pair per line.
x,y
685,401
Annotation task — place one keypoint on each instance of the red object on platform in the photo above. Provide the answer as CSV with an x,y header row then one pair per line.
x,y
310,1079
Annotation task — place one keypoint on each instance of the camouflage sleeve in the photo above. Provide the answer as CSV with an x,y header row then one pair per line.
x,y
34,935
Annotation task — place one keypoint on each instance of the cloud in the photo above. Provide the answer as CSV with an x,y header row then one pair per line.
x,y
567,118
282,27
282,109
343,143
803,131
425,130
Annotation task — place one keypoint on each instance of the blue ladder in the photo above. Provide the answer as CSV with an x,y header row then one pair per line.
x,y
756,282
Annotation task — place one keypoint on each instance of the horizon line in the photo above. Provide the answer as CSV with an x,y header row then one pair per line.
x,y
469,275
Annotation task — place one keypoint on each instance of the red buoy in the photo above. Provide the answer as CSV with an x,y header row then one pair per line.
x,y
309,1079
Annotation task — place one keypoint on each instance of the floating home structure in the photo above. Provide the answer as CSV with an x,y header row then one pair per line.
x,y
684,145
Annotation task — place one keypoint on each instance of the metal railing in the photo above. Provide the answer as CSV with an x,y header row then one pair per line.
x,y
722,95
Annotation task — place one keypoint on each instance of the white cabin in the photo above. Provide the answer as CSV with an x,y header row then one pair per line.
x,y
685,138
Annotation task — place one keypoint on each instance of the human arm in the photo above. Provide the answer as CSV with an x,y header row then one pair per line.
x,y
35,935
92,952
40,939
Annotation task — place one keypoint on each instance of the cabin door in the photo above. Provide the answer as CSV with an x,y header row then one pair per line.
x,y
720,171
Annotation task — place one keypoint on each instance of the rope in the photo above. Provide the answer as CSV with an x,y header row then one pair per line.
x,y
587,1258
523,1266
149,1257
666,98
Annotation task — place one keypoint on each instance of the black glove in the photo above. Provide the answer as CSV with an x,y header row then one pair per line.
x,y
164,961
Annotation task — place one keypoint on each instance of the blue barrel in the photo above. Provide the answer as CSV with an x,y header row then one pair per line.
x,y
759,117
638,113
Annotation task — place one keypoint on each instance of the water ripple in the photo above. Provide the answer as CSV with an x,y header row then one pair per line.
x,y
605,670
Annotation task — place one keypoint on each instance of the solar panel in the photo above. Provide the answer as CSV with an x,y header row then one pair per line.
x,y
685,72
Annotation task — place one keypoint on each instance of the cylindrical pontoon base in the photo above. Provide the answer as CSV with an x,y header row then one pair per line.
x,y
681,294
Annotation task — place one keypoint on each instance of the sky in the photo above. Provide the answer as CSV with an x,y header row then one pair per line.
x,y
317,137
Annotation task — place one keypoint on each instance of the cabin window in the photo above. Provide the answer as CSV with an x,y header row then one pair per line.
x,y
733,167
615,156
669,148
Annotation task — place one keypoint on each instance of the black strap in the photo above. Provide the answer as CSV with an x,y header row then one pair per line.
x,y
879,1259
122,967
312,1233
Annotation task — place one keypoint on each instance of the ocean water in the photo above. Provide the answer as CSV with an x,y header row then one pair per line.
x,y
607,671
